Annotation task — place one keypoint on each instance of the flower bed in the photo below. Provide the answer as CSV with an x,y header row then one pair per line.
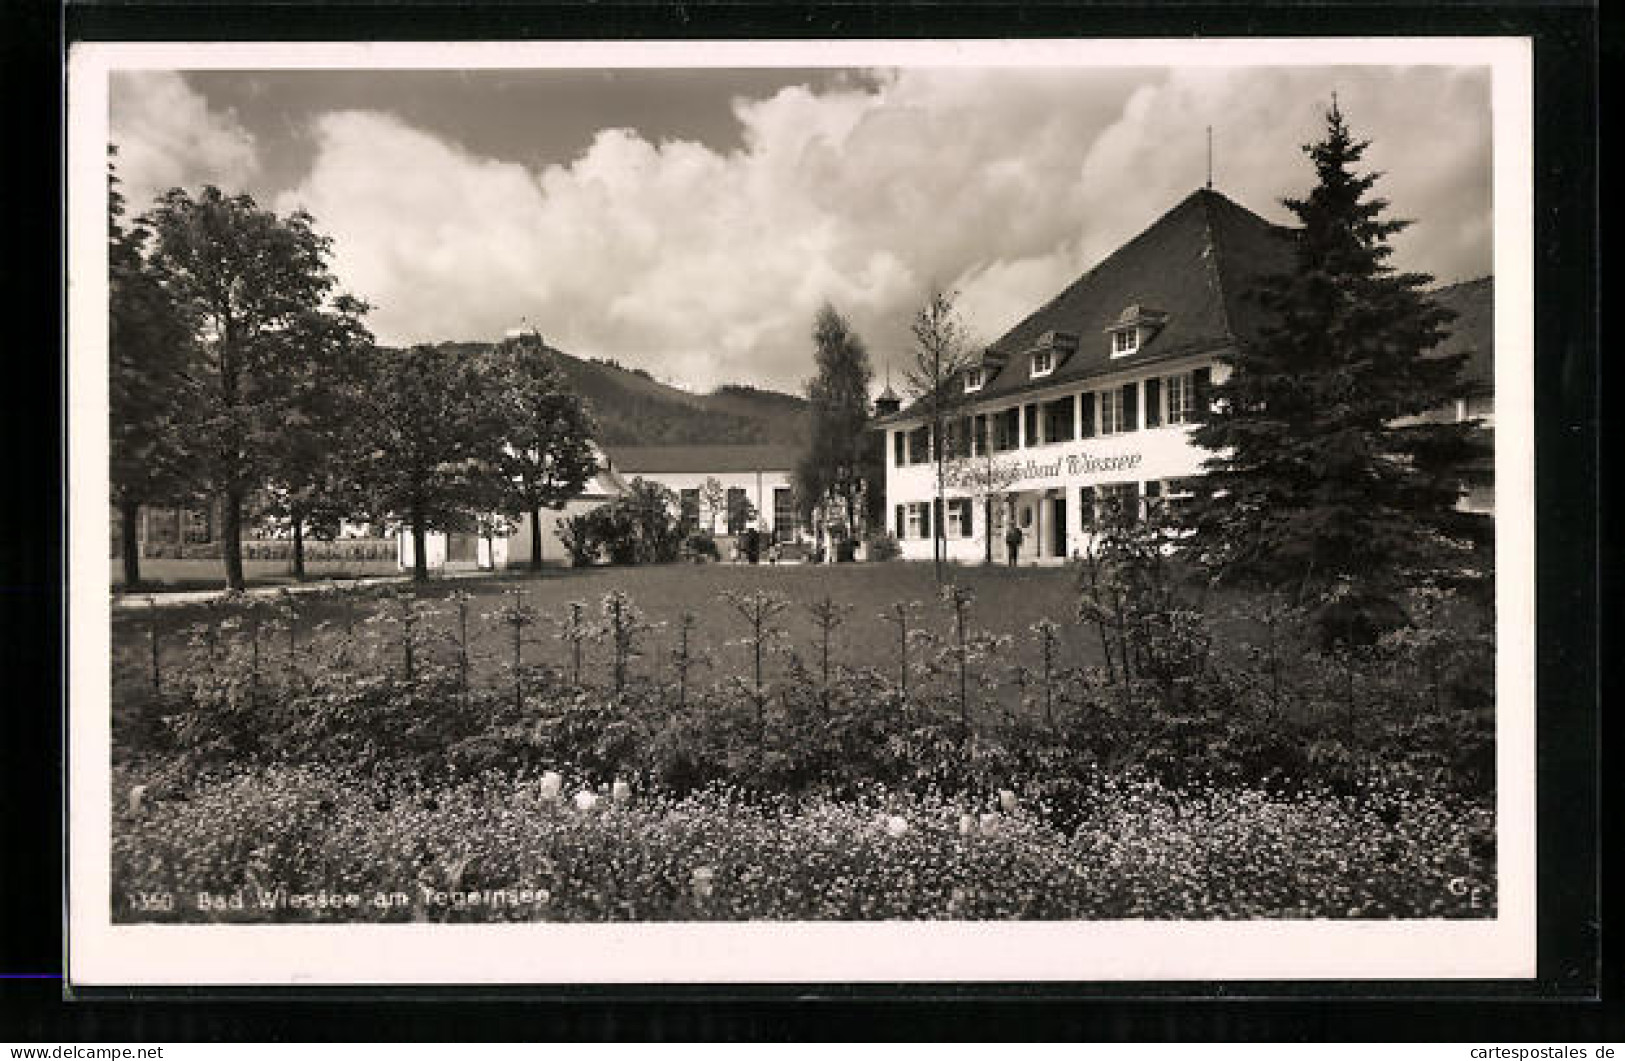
x,y
300,844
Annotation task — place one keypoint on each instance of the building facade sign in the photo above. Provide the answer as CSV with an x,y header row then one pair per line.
x,y
1069,466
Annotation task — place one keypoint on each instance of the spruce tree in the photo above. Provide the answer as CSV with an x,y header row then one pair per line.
x,y
1334,478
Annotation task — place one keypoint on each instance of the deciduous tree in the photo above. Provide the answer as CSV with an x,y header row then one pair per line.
x,y
313,462
547,456
149,392
841,457
434,443
245,278
942,351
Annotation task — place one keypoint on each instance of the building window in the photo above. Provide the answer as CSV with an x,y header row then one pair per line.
x,y
1125,341
959,518
1116,501
919,445
784,514
974,378
1110,420
1006,426
689,507
1058,420
979,435
199,526
919,519
1043,362
1030,415
1178,391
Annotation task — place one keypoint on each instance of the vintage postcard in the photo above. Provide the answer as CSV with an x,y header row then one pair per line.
x,y
856,511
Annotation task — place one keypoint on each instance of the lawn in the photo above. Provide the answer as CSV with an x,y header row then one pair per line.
x,y
1354,785
1008,601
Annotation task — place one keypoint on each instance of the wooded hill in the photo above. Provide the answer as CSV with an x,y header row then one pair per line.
x,y
631,408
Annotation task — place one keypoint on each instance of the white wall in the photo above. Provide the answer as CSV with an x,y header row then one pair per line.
x,y
553,550
758,487
1138,456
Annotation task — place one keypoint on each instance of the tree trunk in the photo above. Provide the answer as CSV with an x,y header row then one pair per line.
x,y
420,548
987,530
536,538
129,512
298,546
231,538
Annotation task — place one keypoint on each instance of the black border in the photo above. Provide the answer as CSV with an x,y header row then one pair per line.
x,y
1561,1004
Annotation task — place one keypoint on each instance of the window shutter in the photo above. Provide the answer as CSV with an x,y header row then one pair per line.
x,y
1086,504
902,523
1153,403
964,518
1131,393
1201,383
979,435
1030,414
1088,424
899,441
925,520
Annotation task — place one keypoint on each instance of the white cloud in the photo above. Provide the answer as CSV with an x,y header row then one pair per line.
x,y
708,266
168,137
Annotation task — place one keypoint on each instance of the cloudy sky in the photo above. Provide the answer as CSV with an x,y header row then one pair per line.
x,y
691,222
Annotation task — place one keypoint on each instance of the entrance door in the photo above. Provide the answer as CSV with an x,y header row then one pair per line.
x,y
1058,528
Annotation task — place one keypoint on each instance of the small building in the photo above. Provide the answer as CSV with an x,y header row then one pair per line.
x,y
471,550
723,489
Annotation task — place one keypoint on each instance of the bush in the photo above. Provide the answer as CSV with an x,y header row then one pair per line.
x,y
883,546
639,527
700,547
580,536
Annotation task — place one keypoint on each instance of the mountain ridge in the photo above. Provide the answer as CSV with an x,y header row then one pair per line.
x,y
632,408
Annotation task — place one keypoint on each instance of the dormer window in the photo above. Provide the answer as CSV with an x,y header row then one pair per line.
x,y
1134,327
1043,362
975,376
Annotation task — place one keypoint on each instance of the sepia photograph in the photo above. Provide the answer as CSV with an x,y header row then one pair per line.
x,y
890,510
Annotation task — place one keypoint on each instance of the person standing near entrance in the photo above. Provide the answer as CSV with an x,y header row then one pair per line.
x,y
1012,541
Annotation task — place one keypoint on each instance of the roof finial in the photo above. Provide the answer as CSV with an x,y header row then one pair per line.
x,y
1210,158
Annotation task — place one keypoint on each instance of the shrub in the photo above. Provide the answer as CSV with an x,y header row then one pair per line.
x,y
883,546
700,547
579,534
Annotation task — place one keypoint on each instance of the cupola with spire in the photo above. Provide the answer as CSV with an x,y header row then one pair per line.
x,y
888,402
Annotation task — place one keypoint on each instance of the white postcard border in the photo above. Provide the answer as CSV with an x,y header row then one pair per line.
x,y
101,953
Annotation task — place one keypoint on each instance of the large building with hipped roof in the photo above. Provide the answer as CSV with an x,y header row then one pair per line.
x,y
1088,402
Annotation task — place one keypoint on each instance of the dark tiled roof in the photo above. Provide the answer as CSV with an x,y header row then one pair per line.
x,y
1193,264
1473,330
629,461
